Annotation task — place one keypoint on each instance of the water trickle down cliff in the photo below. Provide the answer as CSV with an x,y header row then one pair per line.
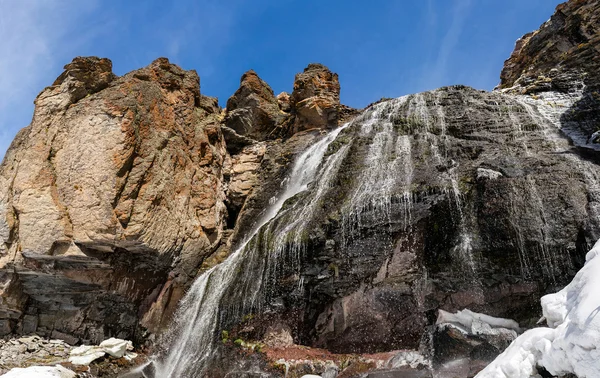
x,y
413,202
449,199
193,335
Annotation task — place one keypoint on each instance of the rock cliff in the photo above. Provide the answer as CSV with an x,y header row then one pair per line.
x,y
113,192
123,190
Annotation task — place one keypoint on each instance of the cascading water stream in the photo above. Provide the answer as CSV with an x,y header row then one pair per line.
x,y
386,143
193,334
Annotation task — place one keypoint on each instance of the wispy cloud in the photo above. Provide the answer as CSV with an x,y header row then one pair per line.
x,y
40,36
33,35
450,40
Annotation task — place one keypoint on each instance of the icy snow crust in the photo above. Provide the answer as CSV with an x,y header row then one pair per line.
x,y
40,372
570,344
475,323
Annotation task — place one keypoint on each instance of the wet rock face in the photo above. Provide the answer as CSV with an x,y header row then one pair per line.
x,y
449,199
315,99
420,228
116,184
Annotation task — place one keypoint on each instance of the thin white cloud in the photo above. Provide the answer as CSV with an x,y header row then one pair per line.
x,y
34,32
449,42
40,36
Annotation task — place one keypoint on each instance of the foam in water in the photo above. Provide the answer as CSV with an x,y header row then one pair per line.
x,y
194,328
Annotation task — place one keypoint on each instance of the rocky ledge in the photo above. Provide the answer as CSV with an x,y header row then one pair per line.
x,y
111,358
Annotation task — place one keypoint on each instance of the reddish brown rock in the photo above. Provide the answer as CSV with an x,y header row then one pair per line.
x,y
316,99
116,184
253,110
284,101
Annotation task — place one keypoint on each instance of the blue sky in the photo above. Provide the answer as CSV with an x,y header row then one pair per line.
x,y
379,48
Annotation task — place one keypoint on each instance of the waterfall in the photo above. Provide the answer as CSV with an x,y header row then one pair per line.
x,y
385,151
386,175
192,335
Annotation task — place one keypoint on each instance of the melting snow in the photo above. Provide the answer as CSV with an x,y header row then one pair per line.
x,y
570,343
475,323
40,372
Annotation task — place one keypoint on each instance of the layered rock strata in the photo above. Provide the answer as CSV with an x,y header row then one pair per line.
x,y
114,189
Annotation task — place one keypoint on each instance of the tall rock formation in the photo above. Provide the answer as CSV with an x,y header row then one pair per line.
x,y
115,182
253,110
315,99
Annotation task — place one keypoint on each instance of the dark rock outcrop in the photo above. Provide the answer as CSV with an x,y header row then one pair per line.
x,y
429,206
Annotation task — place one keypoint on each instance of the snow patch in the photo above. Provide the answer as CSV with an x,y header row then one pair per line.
x,y
475,323
86,354
489,174
116,347
40,372
570,343
410,358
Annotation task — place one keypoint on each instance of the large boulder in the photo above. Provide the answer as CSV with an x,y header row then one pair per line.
x,y
115,185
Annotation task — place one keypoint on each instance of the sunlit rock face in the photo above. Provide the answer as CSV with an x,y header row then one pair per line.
x,y
562,58
299,228
115,180
253,110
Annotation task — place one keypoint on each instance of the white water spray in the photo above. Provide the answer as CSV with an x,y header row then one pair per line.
x,y
193,336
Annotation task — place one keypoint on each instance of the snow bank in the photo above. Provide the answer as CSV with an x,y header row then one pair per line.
x,y
571,343
116,347
475,323
40,372
85,354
